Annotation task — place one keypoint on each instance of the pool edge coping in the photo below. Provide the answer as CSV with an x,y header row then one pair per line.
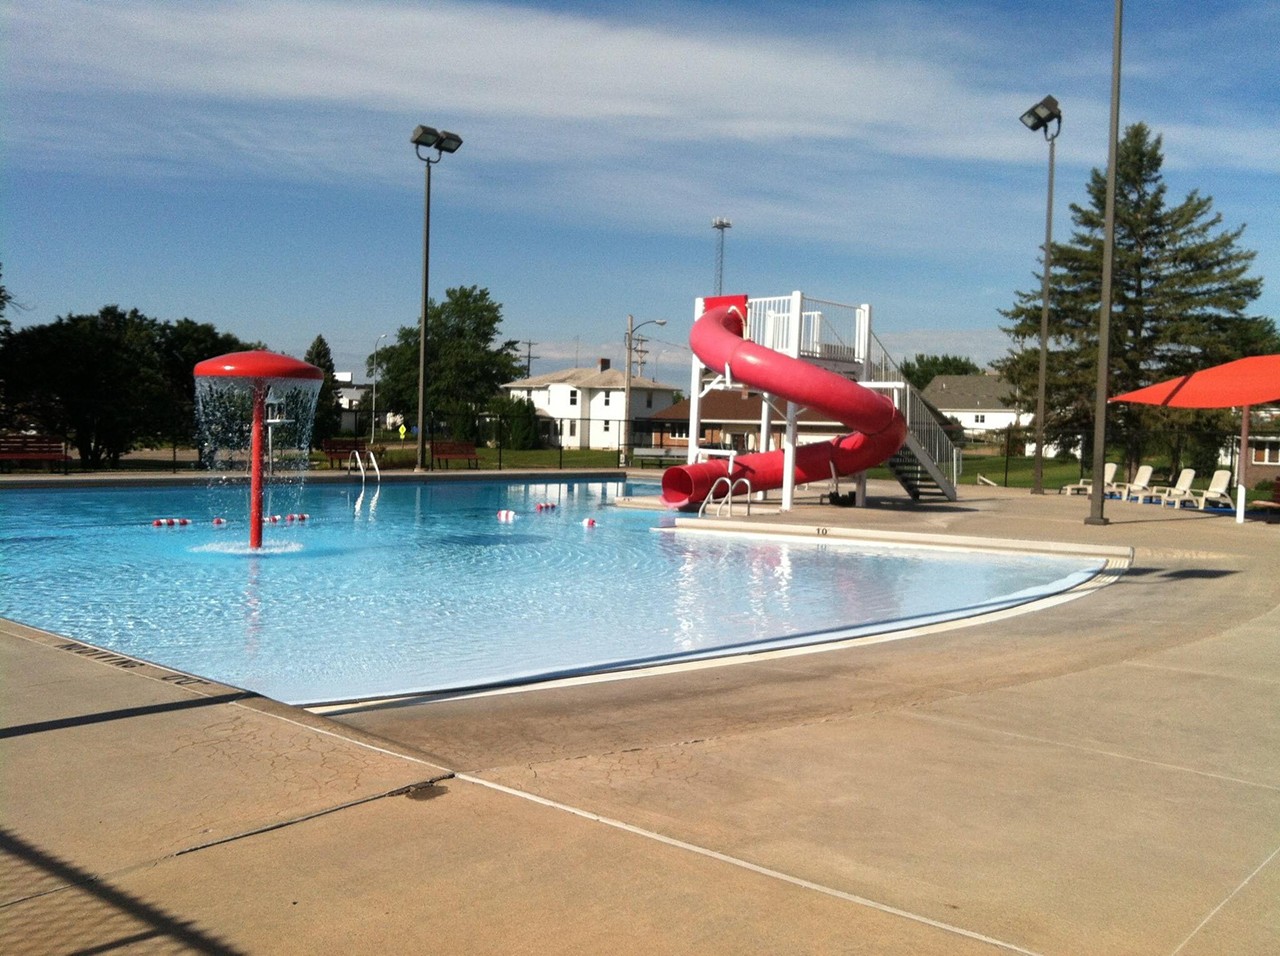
x,y
1116,561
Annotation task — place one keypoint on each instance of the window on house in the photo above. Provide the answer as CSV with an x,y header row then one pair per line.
x,y
573,396
606,424
1268,454
573,429
679,431
979,419
606,399
648,400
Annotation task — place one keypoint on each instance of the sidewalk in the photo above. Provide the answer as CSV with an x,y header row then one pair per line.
x,y
1102,776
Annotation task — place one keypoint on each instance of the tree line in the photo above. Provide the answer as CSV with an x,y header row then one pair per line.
x,y
117,380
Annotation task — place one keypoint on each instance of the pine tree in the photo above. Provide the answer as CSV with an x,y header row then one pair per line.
x,y
328,412
1180,291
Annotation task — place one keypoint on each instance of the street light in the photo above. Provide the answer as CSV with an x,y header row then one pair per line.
x,y
1098,492
626,380
442,141
1039,117
373,412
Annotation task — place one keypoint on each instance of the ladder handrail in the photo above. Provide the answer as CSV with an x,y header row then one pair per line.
x,y
730,485
355,456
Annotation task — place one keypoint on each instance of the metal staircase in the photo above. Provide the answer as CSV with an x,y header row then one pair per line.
x,y
919,474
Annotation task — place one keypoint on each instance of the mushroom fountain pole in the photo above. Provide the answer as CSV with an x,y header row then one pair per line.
x,y
255,465
256,372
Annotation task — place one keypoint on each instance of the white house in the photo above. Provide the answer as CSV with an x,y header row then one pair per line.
x,y
586,407
982,404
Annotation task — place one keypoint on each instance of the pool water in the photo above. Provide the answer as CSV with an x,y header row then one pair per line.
x,y
419,587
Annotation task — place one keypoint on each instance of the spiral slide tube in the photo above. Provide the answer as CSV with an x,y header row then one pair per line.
x,y
878,427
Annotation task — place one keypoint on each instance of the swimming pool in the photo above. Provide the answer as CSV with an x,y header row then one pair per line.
x,y
419,587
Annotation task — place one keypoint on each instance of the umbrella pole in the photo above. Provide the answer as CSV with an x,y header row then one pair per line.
x,y
1242,470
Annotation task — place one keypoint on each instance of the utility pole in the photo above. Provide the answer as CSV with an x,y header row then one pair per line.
x,y
529,357
640,352
720,225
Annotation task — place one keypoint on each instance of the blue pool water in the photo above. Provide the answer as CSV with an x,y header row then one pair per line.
x,y
419,587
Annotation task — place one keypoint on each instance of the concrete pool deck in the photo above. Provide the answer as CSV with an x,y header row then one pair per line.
x,y
1101,776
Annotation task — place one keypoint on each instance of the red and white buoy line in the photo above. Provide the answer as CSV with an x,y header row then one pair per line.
x,y
507,516
220,522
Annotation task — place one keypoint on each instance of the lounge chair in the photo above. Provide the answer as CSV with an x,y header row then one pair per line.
x,y
1216,492
1085,485
1140,487
1176,493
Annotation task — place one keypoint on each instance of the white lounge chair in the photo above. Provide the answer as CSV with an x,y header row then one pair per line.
x,y
1178,492
1085,485
1140,487
1216,492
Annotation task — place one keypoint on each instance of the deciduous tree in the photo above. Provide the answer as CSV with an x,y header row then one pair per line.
x,y
466,363
922,369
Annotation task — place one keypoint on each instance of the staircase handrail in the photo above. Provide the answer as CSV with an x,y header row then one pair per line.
x,y
924,425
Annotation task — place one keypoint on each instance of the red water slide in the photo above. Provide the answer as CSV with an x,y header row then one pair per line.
x,y
878,427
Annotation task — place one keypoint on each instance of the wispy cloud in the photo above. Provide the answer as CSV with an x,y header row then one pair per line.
x,y
871,128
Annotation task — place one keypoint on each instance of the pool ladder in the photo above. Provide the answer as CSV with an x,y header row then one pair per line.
x,y
730,489
359,462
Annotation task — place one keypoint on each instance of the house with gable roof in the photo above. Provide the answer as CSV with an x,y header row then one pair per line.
x,y
982,404
585,407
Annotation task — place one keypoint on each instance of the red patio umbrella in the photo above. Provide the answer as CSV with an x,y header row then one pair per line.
x,y
1244,382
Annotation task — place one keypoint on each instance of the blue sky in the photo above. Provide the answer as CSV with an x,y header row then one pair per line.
x,y
248,163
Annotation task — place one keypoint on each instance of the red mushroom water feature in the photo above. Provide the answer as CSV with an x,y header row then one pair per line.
x,y
254,374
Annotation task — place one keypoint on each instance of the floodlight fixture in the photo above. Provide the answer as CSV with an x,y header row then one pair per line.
x,y
1042,114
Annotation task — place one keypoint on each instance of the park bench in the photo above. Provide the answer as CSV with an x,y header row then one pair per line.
x,y
659,456
32,448
338,450
1270,508
447,451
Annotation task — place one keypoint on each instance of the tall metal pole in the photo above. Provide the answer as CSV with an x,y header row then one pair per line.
x,y
720,225
1037,487
1097,492
442,141
626,394
420,458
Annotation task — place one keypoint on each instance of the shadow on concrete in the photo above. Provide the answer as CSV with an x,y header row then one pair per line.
x,y
134,921
125,713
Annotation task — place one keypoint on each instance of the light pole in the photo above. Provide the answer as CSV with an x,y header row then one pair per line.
x,y
373,411
1038,118
442,141
1098,492
720,225
626,380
